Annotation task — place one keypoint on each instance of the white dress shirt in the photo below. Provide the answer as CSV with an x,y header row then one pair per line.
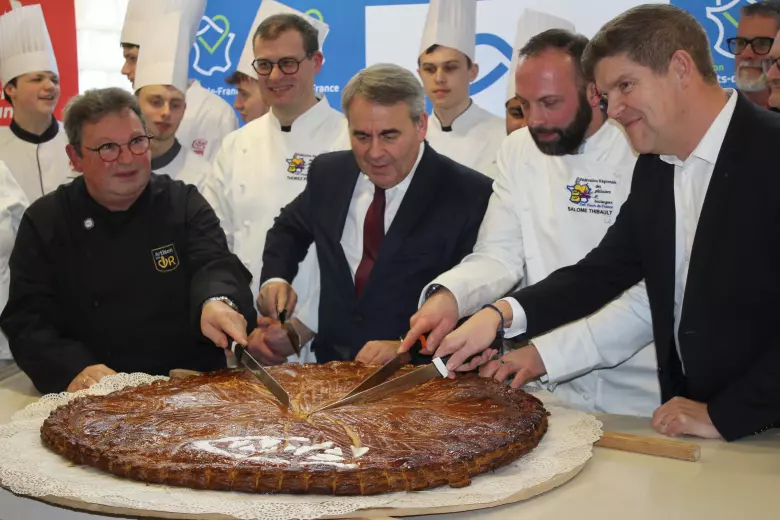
x,y
691,180
352,235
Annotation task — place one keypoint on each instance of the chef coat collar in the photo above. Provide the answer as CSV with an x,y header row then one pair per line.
x,y
308,117
449,127
29,137
114,220
167,158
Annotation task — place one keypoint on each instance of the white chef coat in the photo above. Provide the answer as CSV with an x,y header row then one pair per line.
x,y
260,169
13,202
473,140
183,165
207,120
39,163
550,211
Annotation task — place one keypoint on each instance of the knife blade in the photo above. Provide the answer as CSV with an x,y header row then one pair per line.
x,y
251,364
434,370
377,377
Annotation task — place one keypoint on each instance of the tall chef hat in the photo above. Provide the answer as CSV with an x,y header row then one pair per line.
x,y
137,17
163,58
451,23
529,25
270,8
25,45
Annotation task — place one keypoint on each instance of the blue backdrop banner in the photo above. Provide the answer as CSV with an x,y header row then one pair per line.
x,y
363,32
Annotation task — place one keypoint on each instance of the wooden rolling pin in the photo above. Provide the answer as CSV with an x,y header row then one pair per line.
x,y
181,373
669,448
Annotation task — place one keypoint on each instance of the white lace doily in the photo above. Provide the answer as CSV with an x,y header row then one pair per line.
x,y
28,468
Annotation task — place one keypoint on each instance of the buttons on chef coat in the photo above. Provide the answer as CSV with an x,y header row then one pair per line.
x,y
89,223
247,223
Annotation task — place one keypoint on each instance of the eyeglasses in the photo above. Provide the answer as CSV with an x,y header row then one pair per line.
x,y
760,45
766,64
287,66
110,152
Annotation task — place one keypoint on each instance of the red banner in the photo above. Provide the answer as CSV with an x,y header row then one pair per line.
x,y
61,21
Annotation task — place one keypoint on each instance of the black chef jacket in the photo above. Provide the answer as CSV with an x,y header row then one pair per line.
x,y
125,288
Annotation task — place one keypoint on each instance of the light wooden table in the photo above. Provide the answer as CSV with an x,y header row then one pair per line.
x,y
734,481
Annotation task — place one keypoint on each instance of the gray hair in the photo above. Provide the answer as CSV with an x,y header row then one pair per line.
x,y
386,84
92,106
765,9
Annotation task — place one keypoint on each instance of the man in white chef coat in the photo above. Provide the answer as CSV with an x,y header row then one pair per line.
x,y
208,118
264,165
33,146
249,100
161,83
562,182
13,203
530,23
458,128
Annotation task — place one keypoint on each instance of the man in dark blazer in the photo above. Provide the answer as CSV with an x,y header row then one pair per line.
x,y
699,226
386,218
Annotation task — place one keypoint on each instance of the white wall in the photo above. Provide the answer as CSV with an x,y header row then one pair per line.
x,y
98,27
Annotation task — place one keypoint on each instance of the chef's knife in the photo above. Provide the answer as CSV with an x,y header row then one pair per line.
x,y
377,377
434,370
251,364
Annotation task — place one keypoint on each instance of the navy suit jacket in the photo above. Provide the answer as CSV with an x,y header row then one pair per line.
x,y
728,339
435,227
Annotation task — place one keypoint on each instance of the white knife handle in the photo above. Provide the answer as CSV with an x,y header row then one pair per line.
x,y
441,365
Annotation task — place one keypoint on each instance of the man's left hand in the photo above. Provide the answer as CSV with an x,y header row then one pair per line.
x,y
220,324
380,352
680,416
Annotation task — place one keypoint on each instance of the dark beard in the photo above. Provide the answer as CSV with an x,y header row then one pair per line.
x,y
569,138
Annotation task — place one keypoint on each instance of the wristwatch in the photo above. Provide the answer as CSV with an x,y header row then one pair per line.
x,y
224,299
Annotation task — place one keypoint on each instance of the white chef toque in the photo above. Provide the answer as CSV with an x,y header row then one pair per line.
x,y
163,57
451,23
25,45
137,17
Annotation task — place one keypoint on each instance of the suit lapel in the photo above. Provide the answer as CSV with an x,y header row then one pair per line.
x,y
336,209
714,211
418,197
663,262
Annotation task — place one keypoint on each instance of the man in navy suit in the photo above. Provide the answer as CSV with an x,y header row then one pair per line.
x,y
386,217
699,226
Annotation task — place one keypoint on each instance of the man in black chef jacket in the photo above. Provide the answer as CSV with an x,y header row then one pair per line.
x,y
120,270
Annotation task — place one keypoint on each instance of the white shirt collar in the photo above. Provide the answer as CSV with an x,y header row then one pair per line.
x,y
709,146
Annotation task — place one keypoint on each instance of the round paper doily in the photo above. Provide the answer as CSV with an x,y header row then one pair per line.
x,y
28,468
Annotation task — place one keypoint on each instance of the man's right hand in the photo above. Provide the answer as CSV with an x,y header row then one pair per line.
x,y
89,376
269,343
275,297
525,364
438,315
